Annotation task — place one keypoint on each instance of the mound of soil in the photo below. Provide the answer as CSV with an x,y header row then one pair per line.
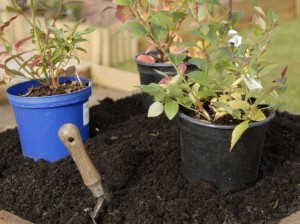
x,y
139,159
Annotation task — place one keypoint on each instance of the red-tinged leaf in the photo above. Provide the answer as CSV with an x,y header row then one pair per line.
x,y
283,72
178,49
123,13
6,24
21,42
146,58
16,56
182,68
149,49
36,61
3,53
166,80
3,66
5,69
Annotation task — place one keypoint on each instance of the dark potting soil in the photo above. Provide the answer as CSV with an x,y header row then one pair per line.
x,y
139,160
67,87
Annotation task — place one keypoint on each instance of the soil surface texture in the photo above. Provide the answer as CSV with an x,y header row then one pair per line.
x,y
139,160
63,88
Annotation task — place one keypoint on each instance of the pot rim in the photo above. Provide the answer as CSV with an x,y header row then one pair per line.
x,y
160,64
221,126
47,101
35,82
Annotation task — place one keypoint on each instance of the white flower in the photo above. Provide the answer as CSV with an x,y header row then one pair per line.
x,y
252,83
234,38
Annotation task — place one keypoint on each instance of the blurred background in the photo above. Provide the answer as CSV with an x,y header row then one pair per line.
x,y
109,62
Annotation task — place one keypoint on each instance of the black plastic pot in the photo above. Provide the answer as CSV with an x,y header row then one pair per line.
x,y
149,75
205,154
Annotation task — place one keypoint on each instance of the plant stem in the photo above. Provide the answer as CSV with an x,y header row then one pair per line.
x,y
35,33
230,10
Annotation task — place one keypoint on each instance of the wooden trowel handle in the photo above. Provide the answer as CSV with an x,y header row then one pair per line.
x,y
70,136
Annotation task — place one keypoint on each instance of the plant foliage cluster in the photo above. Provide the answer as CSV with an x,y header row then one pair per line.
x,y
52,46
228,82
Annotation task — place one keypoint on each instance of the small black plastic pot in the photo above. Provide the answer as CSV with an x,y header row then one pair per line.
x,y
206,156
149,75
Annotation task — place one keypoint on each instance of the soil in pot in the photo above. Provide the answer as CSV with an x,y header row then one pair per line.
x,y
139,159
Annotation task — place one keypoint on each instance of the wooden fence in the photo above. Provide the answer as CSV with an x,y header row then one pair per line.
x,y
286,9
105,45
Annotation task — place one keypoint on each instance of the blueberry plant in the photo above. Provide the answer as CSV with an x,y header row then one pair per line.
x,y
53,46
228,83
157,21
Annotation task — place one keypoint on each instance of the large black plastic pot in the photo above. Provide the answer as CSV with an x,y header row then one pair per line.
x,y
205,154
149,75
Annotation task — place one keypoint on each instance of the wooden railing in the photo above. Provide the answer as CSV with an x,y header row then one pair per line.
x,y
105,45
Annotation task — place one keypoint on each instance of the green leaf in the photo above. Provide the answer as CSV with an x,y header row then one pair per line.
x,y
204,29
200,63
56,54
175,91
259,22
253,69
242,49
161,73
136,29
258,116
199,77
159,32
195,87
239,105
175,79
237,113
205,94
162,18
178,16
13,9
177,58
159,96
171,109
259,10
224,106
272,16
236,16
151,88
121,2
77,59
16,73
81,49
212,35
155,109
186,101
267,70
237,132
86,31
202,12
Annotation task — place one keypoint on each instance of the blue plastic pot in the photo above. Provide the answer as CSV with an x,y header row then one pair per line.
x,y
39,119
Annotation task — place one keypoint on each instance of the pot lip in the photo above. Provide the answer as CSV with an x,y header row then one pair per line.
x,y
47,101
220,126
54,96
160,64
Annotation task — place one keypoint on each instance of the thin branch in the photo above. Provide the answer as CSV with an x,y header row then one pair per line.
x,y
230,10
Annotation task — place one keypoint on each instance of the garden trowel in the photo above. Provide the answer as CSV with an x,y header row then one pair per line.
x,y
70,136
